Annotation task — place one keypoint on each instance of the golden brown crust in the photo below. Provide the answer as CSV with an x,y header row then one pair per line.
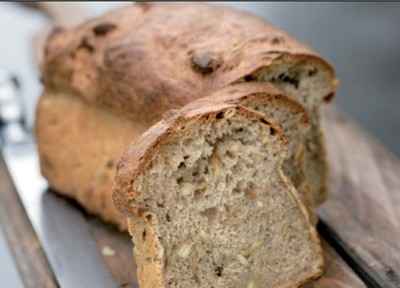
x,y
79,146
143,62
139,154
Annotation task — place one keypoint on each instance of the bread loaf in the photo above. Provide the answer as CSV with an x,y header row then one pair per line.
x,y
108,80
209,205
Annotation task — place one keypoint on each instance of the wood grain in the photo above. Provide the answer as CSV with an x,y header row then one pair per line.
x,y
360,220
362,215
121,263
25,247
338,274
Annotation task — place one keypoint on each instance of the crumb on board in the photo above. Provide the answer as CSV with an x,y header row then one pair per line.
x,y
107,251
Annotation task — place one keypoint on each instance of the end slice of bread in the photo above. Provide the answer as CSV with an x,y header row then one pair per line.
x,y
205,210
286,112
310,84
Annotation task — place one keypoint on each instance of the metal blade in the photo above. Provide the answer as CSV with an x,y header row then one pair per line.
x,y
61,228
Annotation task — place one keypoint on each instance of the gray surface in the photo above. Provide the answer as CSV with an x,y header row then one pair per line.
x,y
362,40
363,43
61,229
8,273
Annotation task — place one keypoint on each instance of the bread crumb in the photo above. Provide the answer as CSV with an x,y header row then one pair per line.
x,y
185,250
107,251
242,260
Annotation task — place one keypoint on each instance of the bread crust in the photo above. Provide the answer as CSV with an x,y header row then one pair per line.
x,y
153,59
79,146
256,92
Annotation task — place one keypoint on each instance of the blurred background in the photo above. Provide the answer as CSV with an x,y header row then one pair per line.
x,y
361,40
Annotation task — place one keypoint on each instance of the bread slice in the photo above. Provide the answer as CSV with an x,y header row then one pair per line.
x,y
209,206
130,66
283,111
305,83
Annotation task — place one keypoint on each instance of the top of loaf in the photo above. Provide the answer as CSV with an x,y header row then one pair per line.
x,y
145,59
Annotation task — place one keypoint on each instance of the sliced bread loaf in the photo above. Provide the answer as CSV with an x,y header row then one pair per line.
x,y
209,206
109,79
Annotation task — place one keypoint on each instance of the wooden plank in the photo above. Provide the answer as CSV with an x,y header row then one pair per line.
x,y
25,247
337,214
120,261
338,274
117,250
362,217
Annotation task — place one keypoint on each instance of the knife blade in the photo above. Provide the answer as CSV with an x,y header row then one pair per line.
x,y
61,228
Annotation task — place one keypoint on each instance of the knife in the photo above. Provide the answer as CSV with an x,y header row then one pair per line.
x,y
61,228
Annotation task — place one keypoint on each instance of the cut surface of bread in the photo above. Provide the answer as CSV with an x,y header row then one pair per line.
x,y
306,84
206,211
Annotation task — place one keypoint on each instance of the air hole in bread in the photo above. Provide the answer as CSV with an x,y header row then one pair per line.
x,y
179,181
103,28
265,121
218,271
198,193
313,71
250,192
287,78
230,154
329,97
220,115
210,213
249,78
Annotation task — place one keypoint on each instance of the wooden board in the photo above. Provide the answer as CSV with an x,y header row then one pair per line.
x,y
338,274
25,247
116,250
362,216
